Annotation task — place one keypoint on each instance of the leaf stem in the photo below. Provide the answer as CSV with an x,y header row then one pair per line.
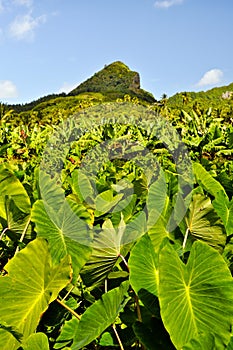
x,y
185,238
124,261
138,309
118,337
105,286
68,308
68,293
3,232
23,233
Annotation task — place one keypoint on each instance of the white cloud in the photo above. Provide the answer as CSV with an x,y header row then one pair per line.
x,y
8,4
67,87
167,3
27,3
23,26
8,89
212,77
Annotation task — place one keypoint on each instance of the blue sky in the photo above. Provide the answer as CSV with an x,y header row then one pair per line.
x,y
49,46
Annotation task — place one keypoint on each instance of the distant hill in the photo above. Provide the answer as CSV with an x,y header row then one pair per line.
x,y
115,78
112,82
214,97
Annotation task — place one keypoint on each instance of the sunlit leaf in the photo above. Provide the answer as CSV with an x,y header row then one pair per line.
x,y
15,206
37,341
4,326
143,264
203,223
67,333
31,283
64,230
106,201
107,247
10,186
156,200
99,316
195,298
82,186
224,209
204,178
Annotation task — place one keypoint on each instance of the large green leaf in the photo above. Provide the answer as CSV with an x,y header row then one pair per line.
x,y
11,330
156,200
224,209
16,220
203,223
107,247
56,221
204,178
159,229
109,244
82,186
15,206
99,316
106,201
125,207
37,341
64,234
31,283
195,298
67,333
143,267
158,233
10,186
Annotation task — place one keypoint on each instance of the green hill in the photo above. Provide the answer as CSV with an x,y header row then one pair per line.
x,y
115,79
112,82
115,82
215,97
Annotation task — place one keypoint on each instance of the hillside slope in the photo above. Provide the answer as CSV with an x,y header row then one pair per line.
x,y
112,82
214,97
115,78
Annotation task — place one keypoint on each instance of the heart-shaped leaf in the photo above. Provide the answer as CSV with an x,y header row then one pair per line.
x,y
99,316
31,283
196,298
143,266
56,221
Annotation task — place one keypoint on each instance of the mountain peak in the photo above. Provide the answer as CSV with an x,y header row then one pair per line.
x,y
117,78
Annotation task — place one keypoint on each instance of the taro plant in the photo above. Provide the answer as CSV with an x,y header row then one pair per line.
x,y
115,254
57,293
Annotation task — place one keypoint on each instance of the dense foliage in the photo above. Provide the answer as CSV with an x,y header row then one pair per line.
x,y
116,224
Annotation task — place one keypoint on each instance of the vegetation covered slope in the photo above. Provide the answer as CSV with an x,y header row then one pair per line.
x,y
112,82
115,77
218,98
